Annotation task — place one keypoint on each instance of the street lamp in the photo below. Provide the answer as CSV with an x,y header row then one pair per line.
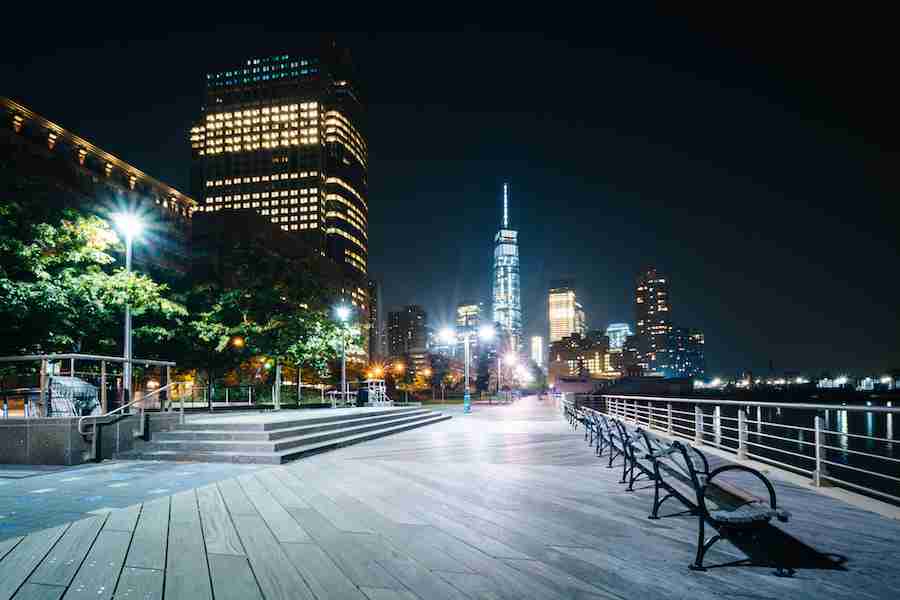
x,y
130,226
343,315
485,333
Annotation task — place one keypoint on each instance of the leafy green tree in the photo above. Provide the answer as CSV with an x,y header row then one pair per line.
x,y
440,368
61,291
483,379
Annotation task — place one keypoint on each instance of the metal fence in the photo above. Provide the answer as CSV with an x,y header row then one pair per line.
x,y
847,446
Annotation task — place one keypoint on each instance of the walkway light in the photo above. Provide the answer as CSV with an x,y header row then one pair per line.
x,y
447,335
342,312
486,333
131,226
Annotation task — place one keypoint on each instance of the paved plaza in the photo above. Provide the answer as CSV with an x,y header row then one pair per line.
x,y
507,503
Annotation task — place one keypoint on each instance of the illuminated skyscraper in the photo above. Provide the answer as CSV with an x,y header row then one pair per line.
x,y
565,313
282,135
617,334
653,320
507,299
537,350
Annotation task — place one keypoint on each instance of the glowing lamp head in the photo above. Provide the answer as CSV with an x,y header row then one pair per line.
x,y
447,335
129,224
486,333
343,313
237,342
510,359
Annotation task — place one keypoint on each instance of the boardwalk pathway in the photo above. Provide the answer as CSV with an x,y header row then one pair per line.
x,y
506,503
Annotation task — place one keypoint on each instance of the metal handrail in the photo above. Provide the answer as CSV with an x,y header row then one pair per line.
x,y
122,408
805,406
705,427
121,359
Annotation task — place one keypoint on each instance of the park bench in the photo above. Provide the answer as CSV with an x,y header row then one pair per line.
x,y
683,472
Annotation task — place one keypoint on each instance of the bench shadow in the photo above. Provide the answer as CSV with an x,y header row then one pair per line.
x,y
770,546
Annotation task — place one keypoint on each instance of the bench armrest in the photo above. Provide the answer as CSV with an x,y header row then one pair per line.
x,y
782,515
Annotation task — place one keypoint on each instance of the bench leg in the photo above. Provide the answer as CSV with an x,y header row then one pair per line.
x,y
702,546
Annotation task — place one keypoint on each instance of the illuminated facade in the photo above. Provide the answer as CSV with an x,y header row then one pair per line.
x,y
580,355
282,135
50,164
618,333
537,350
653,321
688,358
507,291
565,313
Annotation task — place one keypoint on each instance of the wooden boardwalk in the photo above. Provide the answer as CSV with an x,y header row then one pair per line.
x,y
507,503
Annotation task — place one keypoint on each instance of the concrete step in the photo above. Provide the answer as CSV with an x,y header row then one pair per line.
x,y
307,417
283,455
179,434
341,429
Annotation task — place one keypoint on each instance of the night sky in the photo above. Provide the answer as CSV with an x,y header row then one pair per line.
x,y
750,157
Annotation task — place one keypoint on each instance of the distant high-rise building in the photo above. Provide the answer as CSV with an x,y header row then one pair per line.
x,y
376,326
688,359
468,316
407,330
537,350
653,321
565,313
581,355
283,135
507,294
618,333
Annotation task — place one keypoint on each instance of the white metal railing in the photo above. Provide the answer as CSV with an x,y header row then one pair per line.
x,y
741,428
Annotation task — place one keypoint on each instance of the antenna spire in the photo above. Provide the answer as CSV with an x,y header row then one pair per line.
x,y
505,206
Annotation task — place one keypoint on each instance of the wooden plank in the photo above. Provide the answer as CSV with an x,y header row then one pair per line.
x,y
140,584
148,550
388,594
232,578
285,527
60,565
421,581
7,545
354,553
273,480
277,577
235,498
218,530
124,519
187,571
324,577
24,557
99,573
38,591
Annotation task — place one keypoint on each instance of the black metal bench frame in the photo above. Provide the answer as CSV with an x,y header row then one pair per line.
x,y
702,482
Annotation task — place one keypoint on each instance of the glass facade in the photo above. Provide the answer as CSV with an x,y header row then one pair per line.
x,y
507,289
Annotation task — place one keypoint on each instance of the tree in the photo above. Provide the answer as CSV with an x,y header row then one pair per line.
x,y
483,379
60,290
440,368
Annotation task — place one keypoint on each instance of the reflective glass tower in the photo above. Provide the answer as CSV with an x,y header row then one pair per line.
x,y
507,296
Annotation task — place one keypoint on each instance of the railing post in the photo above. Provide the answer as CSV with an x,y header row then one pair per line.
x,y
758,419
104,401
698,424
717,426
44,395
669,418
181,405
817,474
742,434
226,396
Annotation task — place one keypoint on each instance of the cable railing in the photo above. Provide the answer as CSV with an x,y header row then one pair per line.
x,y
847,446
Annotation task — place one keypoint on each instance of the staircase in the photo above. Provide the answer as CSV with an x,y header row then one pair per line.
x,y
274,438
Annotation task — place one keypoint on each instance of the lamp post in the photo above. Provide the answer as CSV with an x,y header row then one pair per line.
x,y
486,333
343,314
130,226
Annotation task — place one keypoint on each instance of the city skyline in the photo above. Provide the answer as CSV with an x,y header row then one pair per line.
x,y
724,257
